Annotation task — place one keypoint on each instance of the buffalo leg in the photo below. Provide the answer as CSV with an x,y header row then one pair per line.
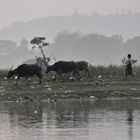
x,y
58,76
27,80
40,78
87,71
76,74
17,81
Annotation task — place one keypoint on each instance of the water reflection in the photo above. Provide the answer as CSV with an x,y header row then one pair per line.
x,y
25,113
130,122
70,119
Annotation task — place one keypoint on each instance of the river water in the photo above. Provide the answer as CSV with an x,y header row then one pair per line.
x,y
112,119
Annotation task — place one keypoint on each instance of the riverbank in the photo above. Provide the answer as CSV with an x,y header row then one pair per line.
x,y
109,88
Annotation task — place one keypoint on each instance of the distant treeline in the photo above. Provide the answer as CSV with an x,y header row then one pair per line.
x,y
94,48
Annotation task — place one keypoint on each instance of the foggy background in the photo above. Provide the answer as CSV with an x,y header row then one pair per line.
x,y
74,30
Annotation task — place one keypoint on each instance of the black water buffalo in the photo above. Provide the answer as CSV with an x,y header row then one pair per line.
x,y
83,66
26,70
63,67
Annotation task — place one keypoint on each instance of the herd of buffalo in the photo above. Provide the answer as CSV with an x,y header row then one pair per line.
x,y
60,67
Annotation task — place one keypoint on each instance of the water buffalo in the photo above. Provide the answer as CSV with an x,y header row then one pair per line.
x,y
83,66
63,67
26,70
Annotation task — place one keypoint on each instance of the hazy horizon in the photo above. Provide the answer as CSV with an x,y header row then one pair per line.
x,y
19,10
96,31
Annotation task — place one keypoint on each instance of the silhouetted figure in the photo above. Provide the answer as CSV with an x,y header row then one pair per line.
x,y
128,71
129,62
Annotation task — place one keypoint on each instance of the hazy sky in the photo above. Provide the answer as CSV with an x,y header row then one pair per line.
x,y
19,10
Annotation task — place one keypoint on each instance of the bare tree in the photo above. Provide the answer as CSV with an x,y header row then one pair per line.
x,y
40,42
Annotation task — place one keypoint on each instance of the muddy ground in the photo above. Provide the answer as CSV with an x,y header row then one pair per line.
x,y
96,89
